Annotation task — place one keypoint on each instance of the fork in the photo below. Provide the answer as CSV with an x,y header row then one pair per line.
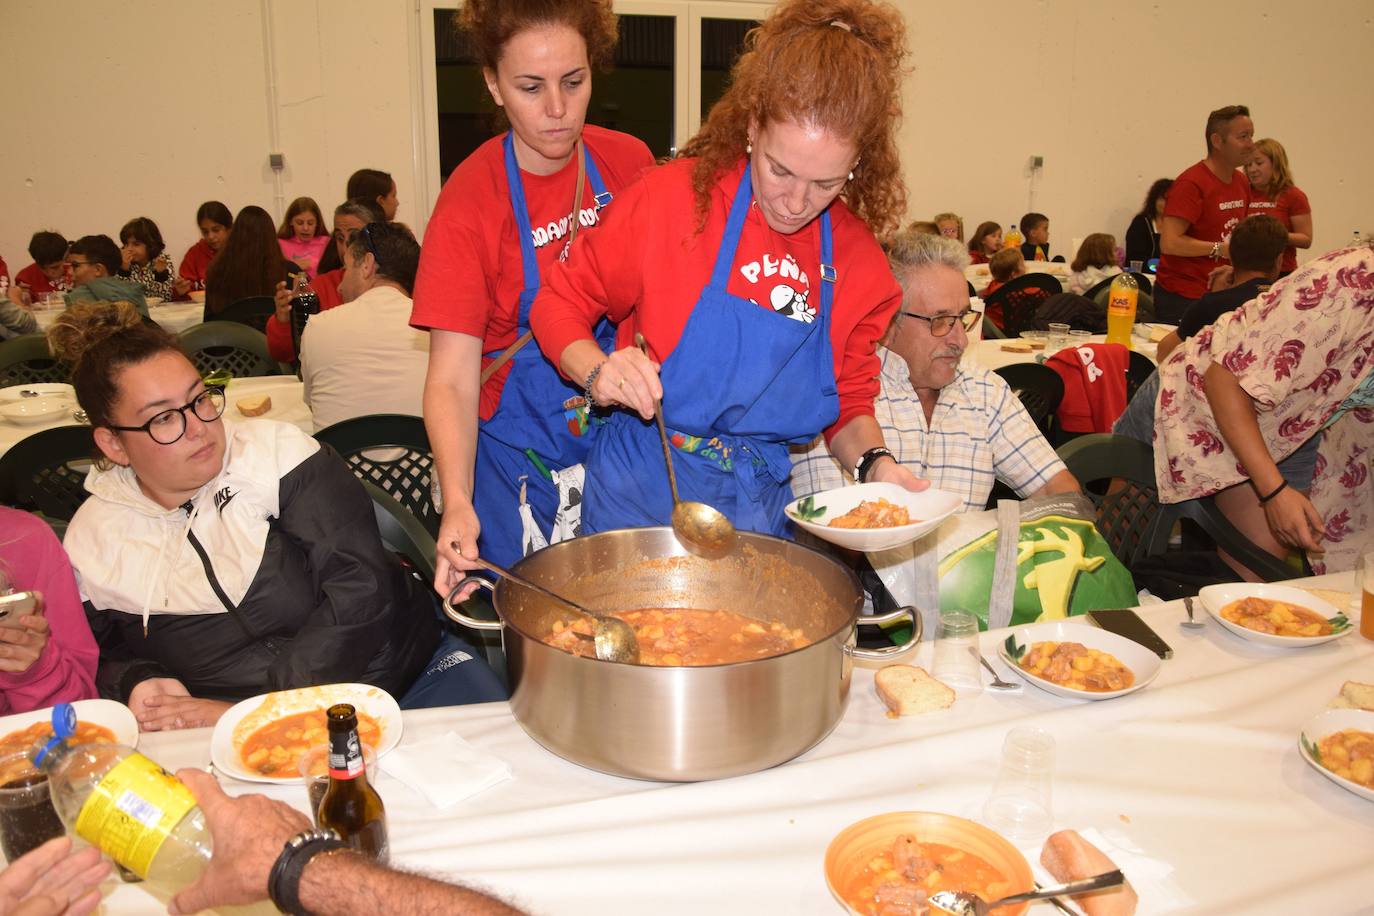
x,y
997,682
1191,623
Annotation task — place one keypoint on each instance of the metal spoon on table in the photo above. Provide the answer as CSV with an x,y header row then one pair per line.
x,y
703,530
963,903
614,638
1191,623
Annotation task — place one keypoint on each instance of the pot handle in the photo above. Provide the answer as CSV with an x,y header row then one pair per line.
x,y
458,616
902,613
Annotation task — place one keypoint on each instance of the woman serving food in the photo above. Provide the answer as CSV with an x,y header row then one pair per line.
x,y
496,412
761,294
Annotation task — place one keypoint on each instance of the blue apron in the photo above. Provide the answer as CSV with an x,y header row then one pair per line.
x,y
742,383
531,414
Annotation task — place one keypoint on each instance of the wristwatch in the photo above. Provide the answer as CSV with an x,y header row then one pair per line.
x,y
1216,250
864,465
284,881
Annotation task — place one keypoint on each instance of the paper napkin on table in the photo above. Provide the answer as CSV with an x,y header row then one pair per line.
x,y
445,769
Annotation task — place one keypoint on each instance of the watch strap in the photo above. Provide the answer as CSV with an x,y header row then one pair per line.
x,y
284,881
864,465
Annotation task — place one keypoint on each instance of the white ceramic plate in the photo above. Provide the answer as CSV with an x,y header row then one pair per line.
x,y
115,716
931,507
33,411
1216,597
1326,723
1143,663
153,300
42,390
259,710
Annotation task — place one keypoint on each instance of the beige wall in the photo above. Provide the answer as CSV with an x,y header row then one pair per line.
x,y
128,115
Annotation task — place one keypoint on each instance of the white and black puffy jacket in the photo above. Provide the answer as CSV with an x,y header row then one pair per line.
x,y
272,576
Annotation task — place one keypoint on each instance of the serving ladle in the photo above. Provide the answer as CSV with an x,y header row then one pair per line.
x,y
614,638
964,903
702,529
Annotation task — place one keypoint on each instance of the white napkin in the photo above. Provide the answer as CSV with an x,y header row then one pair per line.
x,y
445,769
1152,878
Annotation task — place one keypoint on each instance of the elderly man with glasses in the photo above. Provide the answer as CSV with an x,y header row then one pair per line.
x,y
960,427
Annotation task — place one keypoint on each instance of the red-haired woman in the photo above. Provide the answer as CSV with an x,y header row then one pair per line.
x,y
750,266
506,215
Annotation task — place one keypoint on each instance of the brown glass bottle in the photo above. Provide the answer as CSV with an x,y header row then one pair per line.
x,y
350,804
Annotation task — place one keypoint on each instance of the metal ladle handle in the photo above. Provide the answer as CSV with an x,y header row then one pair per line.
x,y
526,583
662,431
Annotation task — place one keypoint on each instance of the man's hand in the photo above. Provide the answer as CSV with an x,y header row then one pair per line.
x,y
888,470
248,834
52,880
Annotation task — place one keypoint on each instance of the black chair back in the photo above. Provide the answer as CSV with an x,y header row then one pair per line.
x,y
1039,388
391,452
1138,372
46,472
1020,298
253,311
228,345
26,360
1118,474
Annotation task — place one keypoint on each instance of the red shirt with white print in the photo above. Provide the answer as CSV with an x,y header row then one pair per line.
x,y
646,266
1211,208
1291,202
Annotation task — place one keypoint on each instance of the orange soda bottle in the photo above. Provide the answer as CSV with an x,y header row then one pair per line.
x,y
1012,237
1121,303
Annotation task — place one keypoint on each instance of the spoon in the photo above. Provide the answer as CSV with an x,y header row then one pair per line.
x,y
704,531
963,903
1190,622
615,639
997,682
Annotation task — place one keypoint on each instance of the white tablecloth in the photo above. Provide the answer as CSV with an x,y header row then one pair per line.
x,y
173,317
988,354
1199,771
288,405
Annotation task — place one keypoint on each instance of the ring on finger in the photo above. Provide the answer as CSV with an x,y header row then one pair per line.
x,y
621,383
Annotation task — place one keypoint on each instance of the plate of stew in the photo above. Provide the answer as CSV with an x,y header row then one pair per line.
x,y
872,516
1078,660
96,721
263,738
1339,744
1276,615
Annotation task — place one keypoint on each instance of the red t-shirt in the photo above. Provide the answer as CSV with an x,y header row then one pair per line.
x,y
326,286
195,264
1291,202
1212,208
36,282
647,264
4,274
470,274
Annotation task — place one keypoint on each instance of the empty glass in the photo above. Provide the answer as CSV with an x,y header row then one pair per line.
x,y
1019,806
955,662
1059,336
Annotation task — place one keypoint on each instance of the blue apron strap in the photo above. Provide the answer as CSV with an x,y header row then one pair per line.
x,y
725,255
524,232
599,192
828,275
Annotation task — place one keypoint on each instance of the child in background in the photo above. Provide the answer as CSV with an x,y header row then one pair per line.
x,y
1005,266
145,258
46,274
303,235
213,219
1095,262
951,225
1035,227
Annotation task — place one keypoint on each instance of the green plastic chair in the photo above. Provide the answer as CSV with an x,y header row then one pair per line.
x,y
390,451
26,360
228,345
253,311
46,472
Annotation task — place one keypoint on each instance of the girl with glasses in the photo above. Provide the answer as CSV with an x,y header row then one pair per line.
x,y
219,559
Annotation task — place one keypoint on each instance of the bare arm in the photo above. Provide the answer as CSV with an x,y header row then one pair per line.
x,y
858,436
1300,235
452,383
1166,346
346,883
1290,515
1174,240
1063,482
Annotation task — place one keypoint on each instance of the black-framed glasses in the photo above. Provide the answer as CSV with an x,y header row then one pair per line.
x,y
169,425
73,265
367,237
941,325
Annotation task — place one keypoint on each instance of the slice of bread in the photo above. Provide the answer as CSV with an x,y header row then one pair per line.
x,y
909,691
1355,695
1069,857
255,405
1016,346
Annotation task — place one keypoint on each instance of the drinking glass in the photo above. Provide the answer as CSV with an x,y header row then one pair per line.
x,y
955,662
1136,265
1364,593
1019,806
1078,337
27,818
1059,336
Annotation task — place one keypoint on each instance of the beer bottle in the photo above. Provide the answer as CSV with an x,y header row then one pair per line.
x,y
350,805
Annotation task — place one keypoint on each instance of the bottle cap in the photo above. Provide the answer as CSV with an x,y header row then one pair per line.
x,y
63,727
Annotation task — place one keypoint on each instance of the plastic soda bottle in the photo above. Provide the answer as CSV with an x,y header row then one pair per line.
x,y
133,810
1121,304
1012,238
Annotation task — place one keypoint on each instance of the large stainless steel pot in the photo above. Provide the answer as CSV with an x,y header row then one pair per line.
x,y
682,724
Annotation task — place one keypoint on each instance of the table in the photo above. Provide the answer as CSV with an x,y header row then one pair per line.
x,y
1199,771
980,276
173,317
988,353
288,405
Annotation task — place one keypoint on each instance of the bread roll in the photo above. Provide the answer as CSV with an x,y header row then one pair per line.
x,y
1016,346
254,406
1355,695
909,691
1069,857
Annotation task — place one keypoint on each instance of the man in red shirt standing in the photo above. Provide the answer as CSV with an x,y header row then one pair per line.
x,y
1204,204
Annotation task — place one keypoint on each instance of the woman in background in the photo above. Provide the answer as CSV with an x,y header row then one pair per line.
x,y
986,242
1094,262
302,234
213,220
376,187
145,259
1272,192
51,656
1142,235
250,264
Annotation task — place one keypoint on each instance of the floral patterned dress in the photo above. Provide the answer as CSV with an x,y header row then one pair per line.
x,y
1304,351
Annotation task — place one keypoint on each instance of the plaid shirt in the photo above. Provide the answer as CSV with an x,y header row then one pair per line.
x,y
978,432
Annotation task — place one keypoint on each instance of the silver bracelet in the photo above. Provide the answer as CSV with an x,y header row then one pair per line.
x,y
591,380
